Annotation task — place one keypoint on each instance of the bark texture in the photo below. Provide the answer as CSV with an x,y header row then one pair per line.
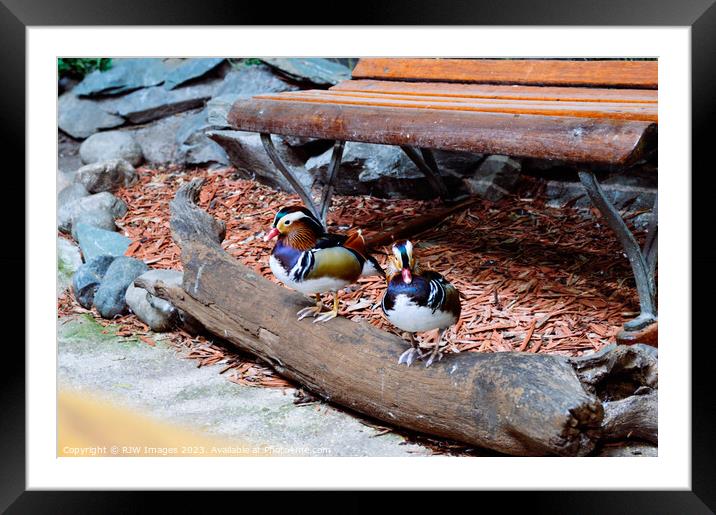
x,y
626,380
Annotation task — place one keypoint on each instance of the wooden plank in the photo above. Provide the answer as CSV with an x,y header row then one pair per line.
x,y
581,140
624,74
617,110
513,92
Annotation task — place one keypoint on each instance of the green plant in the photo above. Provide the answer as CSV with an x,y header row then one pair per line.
x,y
239,63
79,67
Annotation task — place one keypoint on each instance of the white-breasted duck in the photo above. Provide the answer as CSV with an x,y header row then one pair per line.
x,y
417,301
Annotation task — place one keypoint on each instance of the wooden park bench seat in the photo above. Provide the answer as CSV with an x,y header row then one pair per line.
x,y
594,114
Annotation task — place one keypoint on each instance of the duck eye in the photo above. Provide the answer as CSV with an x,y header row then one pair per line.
x,y
288,222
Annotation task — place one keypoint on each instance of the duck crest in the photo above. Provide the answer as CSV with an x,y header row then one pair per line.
x,y
302,236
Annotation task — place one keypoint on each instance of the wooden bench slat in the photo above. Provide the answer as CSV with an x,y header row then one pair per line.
x,y
613,73
582,140
639,111
514,92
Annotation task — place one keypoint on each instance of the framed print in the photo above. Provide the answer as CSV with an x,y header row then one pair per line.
x,y
376,256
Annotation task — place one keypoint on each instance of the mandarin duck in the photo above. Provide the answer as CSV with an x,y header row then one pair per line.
x,y
417,301
312,261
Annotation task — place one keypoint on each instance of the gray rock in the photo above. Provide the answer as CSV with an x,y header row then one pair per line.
x,y
109,298
457,164
298,141
106,175
71,193
64,179
319,71
377,161
98,242
99,218
194,146
87,279
124,76
149,104
193,124
92,212
191,69
159,139
623,195
69,260
68,213
631,190
249,157
66,84
248,81
159,314
495,177
386,171
379,170
80,118
111,145
200,150
68,154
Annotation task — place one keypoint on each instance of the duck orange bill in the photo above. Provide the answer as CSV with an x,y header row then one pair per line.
x,y
407,276
271,234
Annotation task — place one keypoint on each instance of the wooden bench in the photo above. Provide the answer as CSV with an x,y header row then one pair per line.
x,y
595,114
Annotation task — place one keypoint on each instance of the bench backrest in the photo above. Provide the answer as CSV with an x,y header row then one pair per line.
x,y
535,72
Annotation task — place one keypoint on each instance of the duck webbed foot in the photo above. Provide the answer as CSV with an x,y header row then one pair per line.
x,y
436,353
311,310
411,354
325,317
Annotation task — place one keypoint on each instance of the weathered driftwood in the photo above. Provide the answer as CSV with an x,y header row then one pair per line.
x,y
634,417
515,403
626,379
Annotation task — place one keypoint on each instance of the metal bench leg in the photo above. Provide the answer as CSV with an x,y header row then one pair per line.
x,y
288,174
650,246
640,267
427,165
320,212
336,157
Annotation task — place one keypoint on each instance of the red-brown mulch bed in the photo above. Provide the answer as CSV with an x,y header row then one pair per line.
x,y
533,278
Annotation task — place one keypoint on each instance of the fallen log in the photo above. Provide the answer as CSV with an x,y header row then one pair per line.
x,y
625,378
515,403
635,417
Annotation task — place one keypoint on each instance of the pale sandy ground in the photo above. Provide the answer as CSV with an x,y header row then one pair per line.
x,y
116,391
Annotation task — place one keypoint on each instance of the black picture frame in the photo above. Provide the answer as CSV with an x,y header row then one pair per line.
x,y
700,15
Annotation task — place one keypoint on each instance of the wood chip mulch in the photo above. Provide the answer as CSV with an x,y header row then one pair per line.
x,y
532,278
